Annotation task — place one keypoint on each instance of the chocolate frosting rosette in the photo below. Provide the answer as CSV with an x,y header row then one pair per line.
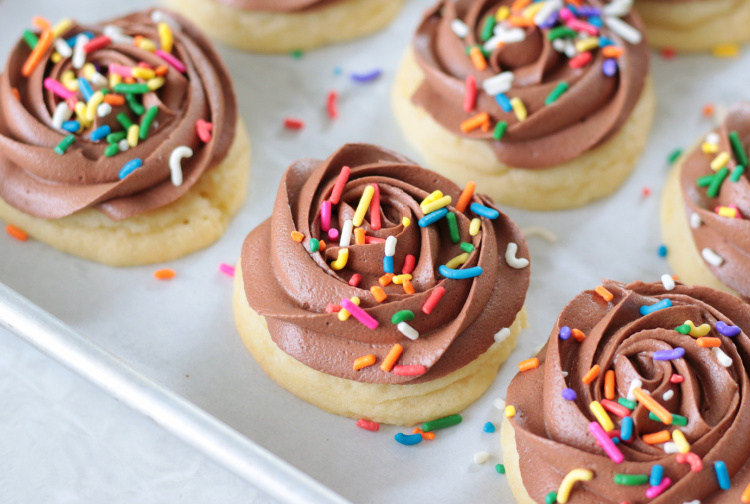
x,y
278,5
639,396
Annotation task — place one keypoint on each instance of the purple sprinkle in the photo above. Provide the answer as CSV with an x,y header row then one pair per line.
x,y
673,354
609,67
565,333
551,21
569,394
366,77
587,11
727,330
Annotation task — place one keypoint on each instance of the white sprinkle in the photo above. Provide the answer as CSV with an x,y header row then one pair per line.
x,y
695,220
346,233
123,145
481,457
669,394
502,335
570,49
79,56
558,45
539,231
158,16
618,8
723,358
712,138
565,374
62,114
115,34
408,331
98,79
459,28
634,385
503,36
390,246
512,260
671,447
712,257
668,282
550,7
104,110
696,501
62,48
500,83
623,29
499,403
175,167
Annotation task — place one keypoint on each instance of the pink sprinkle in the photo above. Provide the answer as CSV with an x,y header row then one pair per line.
x,y
203,129
120,70
72,102
325,216
375,208
359,314
566,15
579,25
675,378
333,233
355,279
606,443
580,60
373,239
226,269
470,94
656,491
409,370
58,88
177,64
409,262
368,425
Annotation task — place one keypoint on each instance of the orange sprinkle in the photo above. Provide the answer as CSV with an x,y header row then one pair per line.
x,y
475,122
391,358
378,293
164,274
322,245
576,3
161,70
708,342
612,52
519,5
604,293
486,126
114,99
408,287
297,236
708,110
386,279
591,375
477,58
16,93
654,407
609,385
657,437
425,435
578,335
746,495
359,236
363,362
18,234
41,23
528,364
45,42
520,22
466,195
129,80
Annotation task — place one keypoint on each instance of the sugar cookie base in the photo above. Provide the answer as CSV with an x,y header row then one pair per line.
x,y
682,255
192,222
274,32
512,463
390,404
695,26
591,176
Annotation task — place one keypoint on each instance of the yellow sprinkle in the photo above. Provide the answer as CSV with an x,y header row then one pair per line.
x,y
96,99
68,79
143,73
88,70
709,148
679,439
55,58
475,226
510,411
601,416
81,113
364,205
502,13
114,79
399,279
532,10
563,493
436,195
165,37
133,132
147,45
61,27
698,332
155,83
726,51
457,261
340,262
406,221
587,44
344,314
727,212
436,205
519,108
720,161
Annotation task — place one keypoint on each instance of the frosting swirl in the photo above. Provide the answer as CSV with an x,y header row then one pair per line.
x,y
278,5
601,85
726,236
43,183
705,386
292,287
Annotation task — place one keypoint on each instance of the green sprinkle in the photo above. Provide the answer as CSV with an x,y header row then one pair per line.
x,y
500,468
674,155
66,142
556,93
467,247
676,419
453,227
683,329
488,27
112,150
147,120
314,245
737,173
104,90
113,138
738,148
402,316
442,423
561,32
124,120
631,479
136,107
627,403
500,130
131,88
705,180
297,54
550,498
713,189
30,39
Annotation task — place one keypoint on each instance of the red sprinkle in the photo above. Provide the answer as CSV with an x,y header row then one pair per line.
x,y
433,300
143,64
97,43
368,425
373,239
332,106
72,102
409,370
675,378
355,279
338,188
615,408
294,124
668,53
646,192
470,95
580,60
332,308
409,262
204,128
375,222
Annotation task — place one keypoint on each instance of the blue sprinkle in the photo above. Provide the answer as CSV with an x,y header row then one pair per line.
x,y
664,303
408,439
367,76
609,67
657,473
504,102
72,40
595,21
616,440
676,353
489,427
433,217
604,42
626,428
86,90
459,274
569,394
337,71
130,167
71,126
100,132
574,10
662,251
388,264
722,475
565,333
484,211
727,330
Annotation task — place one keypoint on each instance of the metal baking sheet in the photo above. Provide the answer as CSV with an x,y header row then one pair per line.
x,y
181,333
